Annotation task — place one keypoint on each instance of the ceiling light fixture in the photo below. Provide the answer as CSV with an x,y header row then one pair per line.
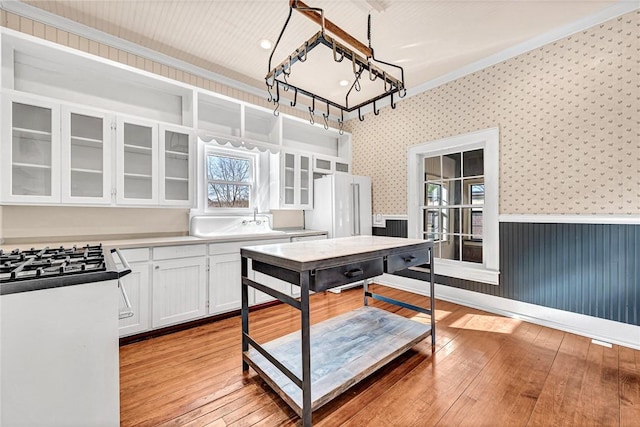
x,y
362,59
343,83
265,44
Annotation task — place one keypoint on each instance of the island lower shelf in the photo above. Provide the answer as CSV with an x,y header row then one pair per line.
x,y
344,350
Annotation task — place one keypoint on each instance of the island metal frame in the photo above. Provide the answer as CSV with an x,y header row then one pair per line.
x,y
320,275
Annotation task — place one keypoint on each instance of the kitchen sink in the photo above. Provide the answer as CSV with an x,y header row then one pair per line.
x,y
218,226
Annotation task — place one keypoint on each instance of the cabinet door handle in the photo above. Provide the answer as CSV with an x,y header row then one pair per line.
x,y
409,258
354,273
157,267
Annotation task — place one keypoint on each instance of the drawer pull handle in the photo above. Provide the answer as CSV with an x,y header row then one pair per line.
x,y
409,258
354,273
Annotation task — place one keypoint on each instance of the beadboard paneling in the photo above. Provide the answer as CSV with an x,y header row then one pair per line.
x,y
591,269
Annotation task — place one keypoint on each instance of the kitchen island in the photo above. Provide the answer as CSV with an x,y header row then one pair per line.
x,y
310,367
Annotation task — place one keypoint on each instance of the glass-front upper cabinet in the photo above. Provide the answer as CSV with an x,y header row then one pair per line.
x,y
30,162
175,166
86,156
296,180
137,161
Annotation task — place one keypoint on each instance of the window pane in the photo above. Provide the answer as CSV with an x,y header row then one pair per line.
x,y
433,194
450,220
431,221
473,163
432,168
228,196
451,192
450,248
472,222
231,169
451,165
473,192
472,251
476,224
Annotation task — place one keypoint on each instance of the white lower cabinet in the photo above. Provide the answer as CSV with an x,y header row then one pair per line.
x,y
174,284
179,291
224,283
272,282
136,285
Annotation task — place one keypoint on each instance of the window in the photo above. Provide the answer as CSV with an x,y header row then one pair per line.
x,y
230,180
453,189
451,215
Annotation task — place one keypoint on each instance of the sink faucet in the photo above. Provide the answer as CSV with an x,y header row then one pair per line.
x,y
255,219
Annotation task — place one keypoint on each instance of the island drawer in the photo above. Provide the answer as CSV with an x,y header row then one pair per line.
x,y
348,273
404,260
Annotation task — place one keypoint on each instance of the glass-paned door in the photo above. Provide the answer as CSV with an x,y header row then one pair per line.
x,y
32,158
86,160
175,166
137,162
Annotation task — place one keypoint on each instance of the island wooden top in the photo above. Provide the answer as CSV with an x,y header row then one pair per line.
x,y
310,255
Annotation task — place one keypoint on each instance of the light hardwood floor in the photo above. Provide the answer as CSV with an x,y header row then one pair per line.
x,y
487,370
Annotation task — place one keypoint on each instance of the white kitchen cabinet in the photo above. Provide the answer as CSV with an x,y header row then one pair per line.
x,y
86,156
272,282
330,164
30,150
224,283
291,181
179,291
137,285
137,161
59,356
176,165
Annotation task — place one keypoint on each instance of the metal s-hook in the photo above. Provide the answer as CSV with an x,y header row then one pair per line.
x,y
335,57
402,92
286,67
295,97
326,118
276,100
393,104
270,99
372,74
341,122
360,116
375,111
312,110
300,58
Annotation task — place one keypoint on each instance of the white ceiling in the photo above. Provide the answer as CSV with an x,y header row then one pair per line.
x,y
428,38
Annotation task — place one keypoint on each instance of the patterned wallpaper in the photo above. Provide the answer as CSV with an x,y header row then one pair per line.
x,y
569,119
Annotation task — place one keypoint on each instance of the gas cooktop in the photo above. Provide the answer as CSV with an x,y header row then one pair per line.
x,y
39,268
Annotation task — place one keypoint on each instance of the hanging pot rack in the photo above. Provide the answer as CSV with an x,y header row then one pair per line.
x,y
362,62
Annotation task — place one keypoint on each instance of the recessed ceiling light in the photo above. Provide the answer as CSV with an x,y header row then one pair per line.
x,y
265,44
344,82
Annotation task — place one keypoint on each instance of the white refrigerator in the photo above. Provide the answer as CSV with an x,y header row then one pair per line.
x,y
341,205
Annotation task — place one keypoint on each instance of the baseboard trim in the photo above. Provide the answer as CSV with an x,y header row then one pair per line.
x,y
592,327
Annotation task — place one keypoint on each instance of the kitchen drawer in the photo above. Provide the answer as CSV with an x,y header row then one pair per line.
x,y
401,261
348,273
135,255
182,251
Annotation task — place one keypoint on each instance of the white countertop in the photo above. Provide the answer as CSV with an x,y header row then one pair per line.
x,y
316,250
146,242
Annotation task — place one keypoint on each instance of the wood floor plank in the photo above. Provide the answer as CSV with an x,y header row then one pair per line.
x,y
505,391
629,387
486,370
